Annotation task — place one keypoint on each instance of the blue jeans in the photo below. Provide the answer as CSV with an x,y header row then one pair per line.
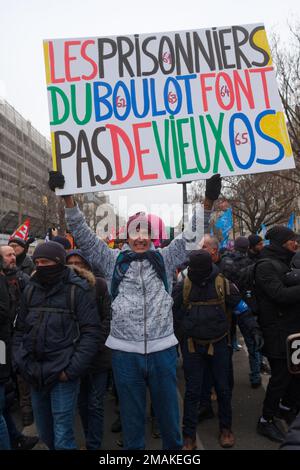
x,y
255,357
91,408
133,372
54,414
194,365
4,436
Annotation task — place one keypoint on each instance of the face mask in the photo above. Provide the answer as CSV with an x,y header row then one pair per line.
x,y
49,274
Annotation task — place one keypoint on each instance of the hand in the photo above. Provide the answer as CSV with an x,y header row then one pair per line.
x,y
258,340
56,180
213,187
63,377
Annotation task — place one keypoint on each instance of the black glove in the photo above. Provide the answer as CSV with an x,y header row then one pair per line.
x,y
213,187
56,180
30,240
258,340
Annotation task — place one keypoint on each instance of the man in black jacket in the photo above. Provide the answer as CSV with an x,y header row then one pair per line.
x,y
57,336
279,317
202,317
231,265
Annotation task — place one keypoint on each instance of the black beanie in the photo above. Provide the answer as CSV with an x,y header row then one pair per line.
x,y
254,240
241,244
50,250
200,265
279,234
19,241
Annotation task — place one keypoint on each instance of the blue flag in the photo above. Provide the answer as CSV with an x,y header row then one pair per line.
x,y
225,224
264,231
291,221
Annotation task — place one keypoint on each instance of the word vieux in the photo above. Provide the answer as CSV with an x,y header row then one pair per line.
x,y
150,109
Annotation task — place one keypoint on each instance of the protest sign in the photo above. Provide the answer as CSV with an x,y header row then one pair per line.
x,y
131,111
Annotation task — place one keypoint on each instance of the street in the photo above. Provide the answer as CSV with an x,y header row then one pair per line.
x,y
246,403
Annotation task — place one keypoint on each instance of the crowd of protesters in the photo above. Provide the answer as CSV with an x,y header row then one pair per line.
x,y
75,311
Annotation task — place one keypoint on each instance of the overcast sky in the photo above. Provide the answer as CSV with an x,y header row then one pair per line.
x,y
25,23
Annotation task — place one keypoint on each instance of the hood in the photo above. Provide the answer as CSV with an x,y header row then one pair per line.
x,y
79,253
84,274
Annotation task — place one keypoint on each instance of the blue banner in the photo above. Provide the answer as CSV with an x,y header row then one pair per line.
x,y
225,224
264,231
291,221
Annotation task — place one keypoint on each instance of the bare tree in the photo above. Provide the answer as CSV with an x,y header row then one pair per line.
x,y
260,199
287,61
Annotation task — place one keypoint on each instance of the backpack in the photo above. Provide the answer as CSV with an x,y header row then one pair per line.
x,y
207,320
246,283
70,303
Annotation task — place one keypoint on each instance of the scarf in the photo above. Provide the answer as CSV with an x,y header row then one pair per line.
x,y
124,260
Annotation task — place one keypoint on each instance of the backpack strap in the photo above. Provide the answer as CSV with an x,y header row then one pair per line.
x,y
187,287
71,296
222,286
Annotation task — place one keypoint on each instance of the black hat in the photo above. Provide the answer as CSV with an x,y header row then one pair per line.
x,y
24,243
241,244
19,241
63,241
254,240
50,250
200,264
279,234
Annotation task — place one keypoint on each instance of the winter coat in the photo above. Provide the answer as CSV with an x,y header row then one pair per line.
x,y
5,331
279,305
25,264
214,321
16,281
102,360
47,342
142,320
232,263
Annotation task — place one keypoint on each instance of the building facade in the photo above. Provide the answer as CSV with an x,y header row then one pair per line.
x,y
25,158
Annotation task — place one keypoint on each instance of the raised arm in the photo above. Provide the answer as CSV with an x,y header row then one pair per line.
x,y
96,250
99,254
176,253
